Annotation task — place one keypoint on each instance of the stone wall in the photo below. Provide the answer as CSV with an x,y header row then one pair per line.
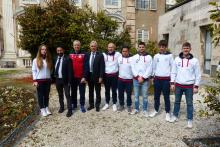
x,y
188,23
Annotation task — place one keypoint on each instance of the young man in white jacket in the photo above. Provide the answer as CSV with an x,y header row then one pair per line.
x,y
185,78
142,69
162,64
125,79
111,75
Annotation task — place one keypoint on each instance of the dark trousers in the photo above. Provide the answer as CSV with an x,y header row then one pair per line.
x,y
94,84
124,87
111,83
82,89
189,101
162,86
43,91
60,85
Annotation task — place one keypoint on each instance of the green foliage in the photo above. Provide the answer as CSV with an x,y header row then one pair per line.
x,y
152,48
215,27
6,72
61,22
212,98
15,105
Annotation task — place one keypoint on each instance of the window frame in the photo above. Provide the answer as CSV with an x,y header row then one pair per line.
x,y
143,39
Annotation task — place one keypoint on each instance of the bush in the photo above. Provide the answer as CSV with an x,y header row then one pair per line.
x,y
15,105
212,98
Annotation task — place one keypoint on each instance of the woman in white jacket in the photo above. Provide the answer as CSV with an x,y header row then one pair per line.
x,y
41,70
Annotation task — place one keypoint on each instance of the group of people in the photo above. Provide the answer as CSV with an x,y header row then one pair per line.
x,y
121,73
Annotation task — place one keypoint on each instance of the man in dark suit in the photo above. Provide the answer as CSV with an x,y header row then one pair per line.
x,y
96,74
62,75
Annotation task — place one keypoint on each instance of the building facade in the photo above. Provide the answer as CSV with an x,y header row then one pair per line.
x,y
139,16
189,22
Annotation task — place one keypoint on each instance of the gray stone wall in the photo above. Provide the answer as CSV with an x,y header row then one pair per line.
x,y
189,23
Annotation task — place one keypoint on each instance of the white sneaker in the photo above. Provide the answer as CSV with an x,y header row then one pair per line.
x,y
43,112
134,112
105,107
167,116
189,124
173,119
114,107
146,114
154,113
47,111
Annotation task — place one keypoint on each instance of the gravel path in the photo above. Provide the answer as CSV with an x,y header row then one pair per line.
x,y
108,128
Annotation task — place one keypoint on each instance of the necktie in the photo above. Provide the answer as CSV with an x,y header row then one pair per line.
x,y
92,61
57,68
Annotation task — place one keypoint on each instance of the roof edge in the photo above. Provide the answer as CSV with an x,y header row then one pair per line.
x,y
178,5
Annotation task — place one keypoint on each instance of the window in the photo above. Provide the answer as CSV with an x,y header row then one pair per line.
x,y
113,3
29,1
153,4
142,35
142,4
146,4
77,2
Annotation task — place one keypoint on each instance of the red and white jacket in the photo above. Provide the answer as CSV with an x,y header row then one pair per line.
x,y
78,61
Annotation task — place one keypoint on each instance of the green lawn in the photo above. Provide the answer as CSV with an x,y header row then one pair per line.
x,y
7,72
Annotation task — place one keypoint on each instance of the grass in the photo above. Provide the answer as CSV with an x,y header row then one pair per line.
x,y
7,72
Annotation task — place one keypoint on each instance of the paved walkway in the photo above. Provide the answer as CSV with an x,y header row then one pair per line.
x,y
108,128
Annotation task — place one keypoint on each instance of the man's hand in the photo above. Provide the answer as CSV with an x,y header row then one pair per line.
x,y
140,80
35,84
100,80
83,80
172,87
195,90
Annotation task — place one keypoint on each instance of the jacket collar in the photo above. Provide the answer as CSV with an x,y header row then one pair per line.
x,y
165,53
111,54
190,56
143,54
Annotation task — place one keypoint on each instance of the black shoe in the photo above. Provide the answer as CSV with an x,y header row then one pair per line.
x,y
61,110
121,108
90,108
97,109
69,113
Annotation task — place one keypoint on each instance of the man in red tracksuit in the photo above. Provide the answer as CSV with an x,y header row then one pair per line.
x,y
79,75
